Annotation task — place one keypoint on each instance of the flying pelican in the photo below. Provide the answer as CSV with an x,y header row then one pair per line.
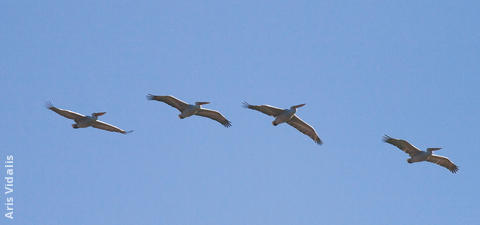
x,y
82,121
288,116
416,155
187,110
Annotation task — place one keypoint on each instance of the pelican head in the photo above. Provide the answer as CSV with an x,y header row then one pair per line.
x,y
429,150
201,103
297,106
96,115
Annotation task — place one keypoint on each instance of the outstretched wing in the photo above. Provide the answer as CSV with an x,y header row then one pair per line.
x,y
402,145
65,113
214,115
303,127
443,161
170,100
105,126
267,109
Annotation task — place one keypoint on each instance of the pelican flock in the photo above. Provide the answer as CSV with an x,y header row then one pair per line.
x,y
187,110
281,116
417,155
82,121
287,116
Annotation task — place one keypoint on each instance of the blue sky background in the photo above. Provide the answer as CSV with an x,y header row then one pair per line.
x,y
408,69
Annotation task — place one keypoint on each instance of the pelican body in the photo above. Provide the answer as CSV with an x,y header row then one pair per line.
x,y
86,121
287,116
420,156
187,110
82,121
191,110
416,155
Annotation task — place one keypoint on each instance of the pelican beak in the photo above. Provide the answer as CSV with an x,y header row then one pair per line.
x,y
201,103
99,113
298,106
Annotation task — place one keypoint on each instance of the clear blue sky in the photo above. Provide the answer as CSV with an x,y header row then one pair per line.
x,y
409,69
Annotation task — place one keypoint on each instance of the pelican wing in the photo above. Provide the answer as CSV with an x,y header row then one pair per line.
x,y
105,126
303,127
170,100
267,109
402,145
443,161
65,113
214,115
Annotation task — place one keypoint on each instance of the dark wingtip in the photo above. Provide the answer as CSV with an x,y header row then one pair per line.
x,y
454,169
319,142
386,138
227,123
150,96
48,105
127,132
245,104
